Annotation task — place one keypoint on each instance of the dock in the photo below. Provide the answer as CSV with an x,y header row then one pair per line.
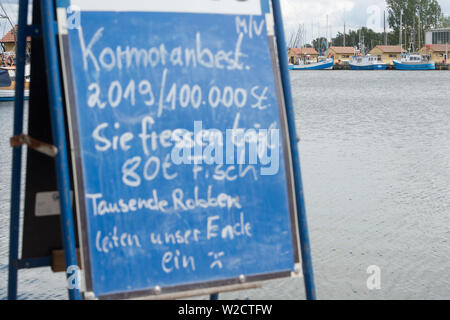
x,y
439,67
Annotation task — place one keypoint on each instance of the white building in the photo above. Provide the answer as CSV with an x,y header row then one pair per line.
x,y
437,36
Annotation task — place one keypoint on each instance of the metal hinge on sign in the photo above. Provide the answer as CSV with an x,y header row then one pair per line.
x,y
34,144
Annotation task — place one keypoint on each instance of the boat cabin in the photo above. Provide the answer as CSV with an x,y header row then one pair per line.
x,y
368,58
415,58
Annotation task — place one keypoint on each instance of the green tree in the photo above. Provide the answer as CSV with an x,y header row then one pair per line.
x,y
445,22
418,16
352,39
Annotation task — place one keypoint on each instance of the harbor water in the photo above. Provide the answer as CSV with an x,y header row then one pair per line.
x,y
375,152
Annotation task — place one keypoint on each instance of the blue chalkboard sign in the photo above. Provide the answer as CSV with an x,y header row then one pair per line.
x,y
181,148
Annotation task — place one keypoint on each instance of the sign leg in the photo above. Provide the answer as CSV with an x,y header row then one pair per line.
x,y
17,152
308,271
58,130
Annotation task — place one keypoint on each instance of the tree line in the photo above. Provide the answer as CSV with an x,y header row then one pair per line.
x,y
415,17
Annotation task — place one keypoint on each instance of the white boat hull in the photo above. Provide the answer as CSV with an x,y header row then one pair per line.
x,y
323,65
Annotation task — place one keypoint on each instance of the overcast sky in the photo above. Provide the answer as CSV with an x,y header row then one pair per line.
x,y
355,13
310,13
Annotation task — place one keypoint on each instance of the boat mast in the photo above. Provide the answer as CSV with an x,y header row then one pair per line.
x,y
327,32
406,38
344,33
385,33
412,41
362,46
319,37
446,52
401,31
420,32
345,30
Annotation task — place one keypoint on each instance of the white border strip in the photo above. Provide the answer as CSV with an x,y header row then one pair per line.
x,y
245,7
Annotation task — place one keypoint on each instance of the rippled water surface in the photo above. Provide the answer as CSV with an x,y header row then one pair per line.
x,y
375,151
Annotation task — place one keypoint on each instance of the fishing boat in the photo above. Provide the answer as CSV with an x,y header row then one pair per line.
x,y
367,62
414,62
8,83
325,64
322,62
364,61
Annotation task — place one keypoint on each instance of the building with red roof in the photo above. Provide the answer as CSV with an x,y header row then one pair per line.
x,y
387,54
437,52
296,54
8,41
341,54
